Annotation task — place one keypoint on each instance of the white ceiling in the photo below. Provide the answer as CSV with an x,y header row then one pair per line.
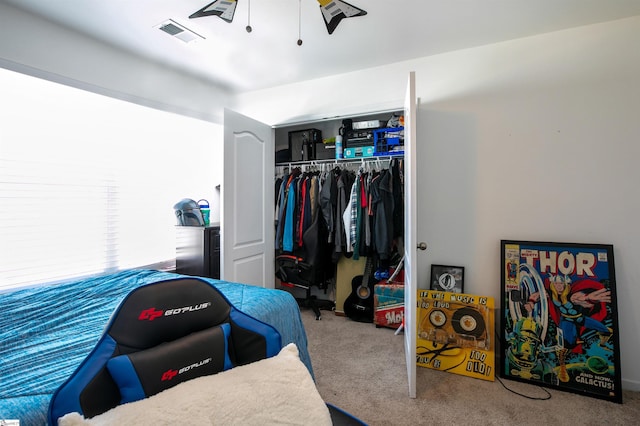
x,y
392,30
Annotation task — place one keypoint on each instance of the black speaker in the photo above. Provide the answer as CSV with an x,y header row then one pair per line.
x,y
302,144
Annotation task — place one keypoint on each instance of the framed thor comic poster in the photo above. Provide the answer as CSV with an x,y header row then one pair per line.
x,y
559,318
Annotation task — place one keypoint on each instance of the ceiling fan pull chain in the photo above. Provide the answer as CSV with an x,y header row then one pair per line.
x,y
249,29
299,22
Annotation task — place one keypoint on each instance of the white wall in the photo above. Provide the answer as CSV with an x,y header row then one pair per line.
x,y
40,48
535,139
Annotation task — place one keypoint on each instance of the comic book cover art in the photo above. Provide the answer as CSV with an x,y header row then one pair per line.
x,y
455,333
559,322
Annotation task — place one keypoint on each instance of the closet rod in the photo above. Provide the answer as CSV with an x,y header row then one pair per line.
x,y
340,160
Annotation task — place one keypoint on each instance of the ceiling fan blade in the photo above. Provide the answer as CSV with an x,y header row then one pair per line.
x,y
221,8
334,11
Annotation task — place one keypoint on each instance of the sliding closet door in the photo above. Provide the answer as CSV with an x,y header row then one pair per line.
x,y
247,193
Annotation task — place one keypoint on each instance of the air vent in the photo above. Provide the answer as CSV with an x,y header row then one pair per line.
x,y
174,29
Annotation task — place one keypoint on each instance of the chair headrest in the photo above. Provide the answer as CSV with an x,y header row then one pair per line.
x,y
163,319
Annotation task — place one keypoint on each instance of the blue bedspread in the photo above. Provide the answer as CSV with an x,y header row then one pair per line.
x,y
46,332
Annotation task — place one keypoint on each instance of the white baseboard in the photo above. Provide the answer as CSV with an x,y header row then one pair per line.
x,y
632,385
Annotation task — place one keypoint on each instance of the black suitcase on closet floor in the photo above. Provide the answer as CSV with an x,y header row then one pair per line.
x,y
309,266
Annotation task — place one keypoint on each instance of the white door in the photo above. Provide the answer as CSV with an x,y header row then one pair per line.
x,y
247,196
410,228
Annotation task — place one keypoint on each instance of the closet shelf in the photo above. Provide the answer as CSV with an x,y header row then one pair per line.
x,y
377,158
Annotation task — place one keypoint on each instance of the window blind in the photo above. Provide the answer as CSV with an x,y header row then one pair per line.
x,y
88,182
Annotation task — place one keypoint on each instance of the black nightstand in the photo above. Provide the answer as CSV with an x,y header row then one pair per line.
x,y
198,250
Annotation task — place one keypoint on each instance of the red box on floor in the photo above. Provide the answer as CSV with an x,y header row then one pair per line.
x,y
388,305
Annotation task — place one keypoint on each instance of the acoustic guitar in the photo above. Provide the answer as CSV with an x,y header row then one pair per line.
x,y
359,304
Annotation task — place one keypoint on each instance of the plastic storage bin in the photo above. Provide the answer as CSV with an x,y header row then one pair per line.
x,y
388,141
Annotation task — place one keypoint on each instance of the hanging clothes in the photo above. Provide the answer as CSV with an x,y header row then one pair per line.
x,y
279,213
350,217
281,208
382,213
313,196
397,171
297,208
326,205
361,203
287,235
344,183
361,208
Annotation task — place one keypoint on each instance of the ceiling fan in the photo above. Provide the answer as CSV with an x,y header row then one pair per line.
x,y
333,11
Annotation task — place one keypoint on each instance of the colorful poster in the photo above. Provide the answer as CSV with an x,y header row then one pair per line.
x,y
455,333
559,322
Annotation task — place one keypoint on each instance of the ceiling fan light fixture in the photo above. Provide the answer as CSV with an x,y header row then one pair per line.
x,y
224,9
334,11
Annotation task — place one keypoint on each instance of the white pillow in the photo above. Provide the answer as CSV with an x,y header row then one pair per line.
x,y
276,390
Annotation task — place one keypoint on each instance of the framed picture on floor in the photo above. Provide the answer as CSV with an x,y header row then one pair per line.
x,y
559,325
447,278
456,333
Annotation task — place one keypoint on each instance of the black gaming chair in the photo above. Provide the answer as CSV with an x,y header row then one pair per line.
x,y
308,266
162,334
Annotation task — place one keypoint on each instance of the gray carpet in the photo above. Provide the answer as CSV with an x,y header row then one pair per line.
x,y
361,369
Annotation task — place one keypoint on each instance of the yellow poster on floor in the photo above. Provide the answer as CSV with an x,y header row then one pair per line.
x,y
456,333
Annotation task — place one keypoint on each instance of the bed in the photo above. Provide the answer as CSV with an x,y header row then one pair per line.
x,y
47,332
